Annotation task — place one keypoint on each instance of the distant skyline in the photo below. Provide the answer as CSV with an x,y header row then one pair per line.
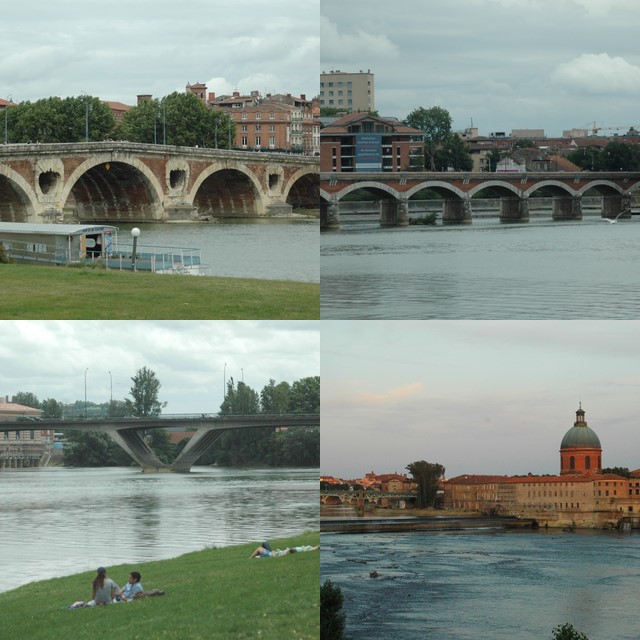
x,y
482,397
503,64
191,359
118,50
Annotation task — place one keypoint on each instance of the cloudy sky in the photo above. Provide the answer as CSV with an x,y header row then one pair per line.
x,y
505,64
49,358
122,48
476,397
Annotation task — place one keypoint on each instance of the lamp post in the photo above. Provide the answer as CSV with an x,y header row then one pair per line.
x,y
111,381
224,377
86,116
242,374
85,392
135,232
6,120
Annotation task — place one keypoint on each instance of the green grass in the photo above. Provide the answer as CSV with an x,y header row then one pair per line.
x,y
31,292
209,595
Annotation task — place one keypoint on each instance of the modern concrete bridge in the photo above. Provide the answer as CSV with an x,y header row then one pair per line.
x,y
129,182
457,190
129,432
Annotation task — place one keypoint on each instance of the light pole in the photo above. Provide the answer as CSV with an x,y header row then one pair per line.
x,y
85,392
6,120
86,116
111,380
242,374
135,232
224,388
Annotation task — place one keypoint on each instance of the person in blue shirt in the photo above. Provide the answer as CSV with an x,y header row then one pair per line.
x,y
131,589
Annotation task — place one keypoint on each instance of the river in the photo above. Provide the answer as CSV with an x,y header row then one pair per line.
x,y
485,584
59,521
487,270
270,249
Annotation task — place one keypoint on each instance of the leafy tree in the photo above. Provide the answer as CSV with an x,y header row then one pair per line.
x,y
305,396
275,398
93,449
619,471
332,619
183,118
454,154
568,632
494,157
145,394
427,475
26,398
60,120
435,124
52,408
586,157
618,156
161,444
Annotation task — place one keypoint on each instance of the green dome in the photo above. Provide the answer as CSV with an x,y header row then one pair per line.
x,y
580,436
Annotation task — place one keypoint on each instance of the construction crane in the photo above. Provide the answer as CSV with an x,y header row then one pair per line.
x,y
595,129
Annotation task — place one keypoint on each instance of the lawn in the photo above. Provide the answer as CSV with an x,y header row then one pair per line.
x,y
32,292
209,595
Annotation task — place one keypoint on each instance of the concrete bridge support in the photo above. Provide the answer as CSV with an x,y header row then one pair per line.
x,y
514,209
329,215
456,211
200,441
394,213
567,208
614,205
134,444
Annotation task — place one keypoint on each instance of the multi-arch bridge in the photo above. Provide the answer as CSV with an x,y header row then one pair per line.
x,y
393,192
129,432
129,182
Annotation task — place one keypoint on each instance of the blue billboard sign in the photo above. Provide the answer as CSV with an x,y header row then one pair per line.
x,y
368,152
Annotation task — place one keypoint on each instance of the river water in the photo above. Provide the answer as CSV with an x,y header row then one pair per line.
x,y
485,584
487,270
58,521
269,249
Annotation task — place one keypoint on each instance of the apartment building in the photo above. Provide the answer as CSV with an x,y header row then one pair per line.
x,y
347,91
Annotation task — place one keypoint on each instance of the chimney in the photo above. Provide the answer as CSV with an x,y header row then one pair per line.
x,y
303,96
212,96
144,96
236,94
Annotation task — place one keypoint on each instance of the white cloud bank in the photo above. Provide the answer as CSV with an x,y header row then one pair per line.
x,y
598,73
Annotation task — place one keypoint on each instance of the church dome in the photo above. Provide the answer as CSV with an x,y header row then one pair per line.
x,y
580,435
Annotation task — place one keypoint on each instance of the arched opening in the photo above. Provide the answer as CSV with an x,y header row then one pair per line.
x,y
437,202
606,200
14,203
572,463
305,192
587,462
493,197
227,194
112,191
554,199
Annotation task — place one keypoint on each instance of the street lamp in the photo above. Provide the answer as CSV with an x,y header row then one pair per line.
x,y
6,120
86,117
111,380
135,232
224,388
85,392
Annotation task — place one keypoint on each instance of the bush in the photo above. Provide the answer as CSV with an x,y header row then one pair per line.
x,y
332,620
568,632
429,218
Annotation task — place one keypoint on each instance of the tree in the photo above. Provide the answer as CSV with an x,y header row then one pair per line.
x,y
618,156
435,124
27,399
93,449
275,398
332,620
454,154
619,471
568,632
182,118
427,476
52,408
305,395
145,394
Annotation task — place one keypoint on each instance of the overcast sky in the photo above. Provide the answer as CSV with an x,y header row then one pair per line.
x,y
118,49
49,358
477,397
505,64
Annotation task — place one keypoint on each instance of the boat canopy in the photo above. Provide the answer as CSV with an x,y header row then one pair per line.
x,y
54,229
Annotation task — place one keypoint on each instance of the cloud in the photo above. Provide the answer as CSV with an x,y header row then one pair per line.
x,y
401,393
353,46
598,74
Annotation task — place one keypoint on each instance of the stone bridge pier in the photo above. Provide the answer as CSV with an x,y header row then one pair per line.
x,y
394,213
567,208
616,205
456,211
514,209
329,215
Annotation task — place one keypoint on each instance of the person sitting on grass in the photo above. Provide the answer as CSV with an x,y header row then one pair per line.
x,y
131,589
104,589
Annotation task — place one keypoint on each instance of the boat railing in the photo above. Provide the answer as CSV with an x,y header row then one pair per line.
x,y
158,259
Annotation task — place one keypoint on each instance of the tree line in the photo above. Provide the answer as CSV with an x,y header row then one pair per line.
x,y
299,447
176,119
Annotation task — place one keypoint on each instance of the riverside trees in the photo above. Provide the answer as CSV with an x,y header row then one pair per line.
x,y
427,475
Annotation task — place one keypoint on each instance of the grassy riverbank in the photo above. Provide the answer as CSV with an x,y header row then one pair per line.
x,y
30,293
209,595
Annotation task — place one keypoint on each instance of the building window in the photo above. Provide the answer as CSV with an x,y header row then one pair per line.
x,y
272,116
244,141
258,116
244,116
258,127
587,462
258,142
572,463
272,128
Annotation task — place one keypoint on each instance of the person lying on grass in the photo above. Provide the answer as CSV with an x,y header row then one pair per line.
x,y
265,551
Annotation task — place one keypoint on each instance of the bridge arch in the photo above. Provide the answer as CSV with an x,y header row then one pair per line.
x,y
506,186
18,202
302,188
368,185
229,190
440,187
602,186
107,188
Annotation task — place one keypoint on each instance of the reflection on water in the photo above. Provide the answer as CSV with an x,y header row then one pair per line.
x,y
60,521
487,270
270,249
465,586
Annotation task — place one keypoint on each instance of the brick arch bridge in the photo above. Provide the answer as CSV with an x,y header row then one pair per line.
x,y
129,182
458,189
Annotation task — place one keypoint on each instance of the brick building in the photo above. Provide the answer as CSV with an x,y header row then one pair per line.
x,y
581,494
361,142
23,448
